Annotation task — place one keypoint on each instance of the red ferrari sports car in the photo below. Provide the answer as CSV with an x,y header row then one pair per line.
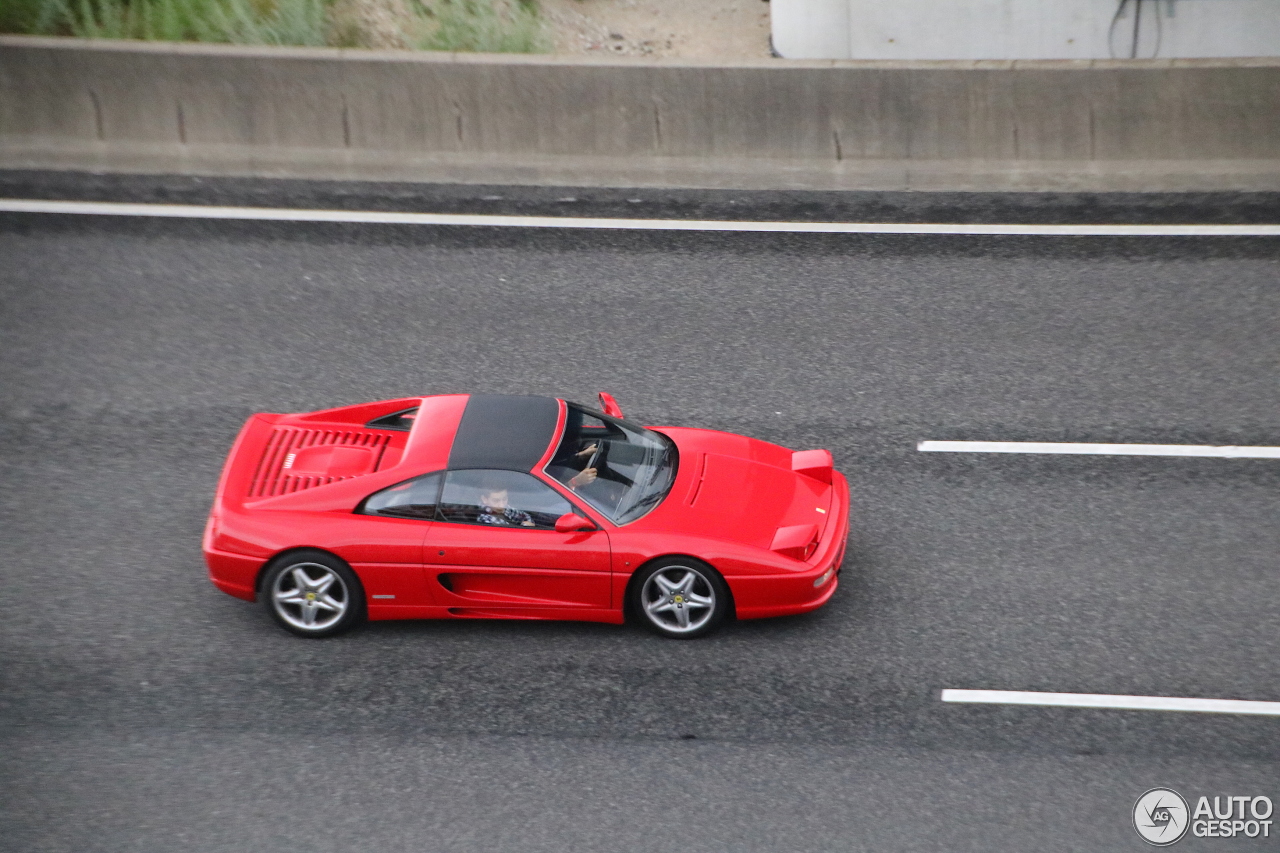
x,y
508,507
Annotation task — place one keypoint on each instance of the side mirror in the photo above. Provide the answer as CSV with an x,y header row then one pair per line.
x,y
571,522
610,406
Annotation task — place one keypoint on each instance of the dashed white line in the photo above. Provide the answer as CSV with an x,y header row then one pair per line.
x,y
1103,700
280,214
1223,452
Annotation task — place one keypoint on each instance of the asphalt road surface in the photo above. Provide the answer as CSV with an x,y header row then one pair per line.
x,y
143,710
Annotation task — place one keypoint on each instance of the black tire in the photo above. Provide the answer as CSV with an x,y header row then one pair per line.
x,y
313,594
680,597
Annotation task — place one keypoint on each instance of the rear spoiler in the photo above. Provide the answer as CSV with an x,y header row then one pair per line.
x,y
817,464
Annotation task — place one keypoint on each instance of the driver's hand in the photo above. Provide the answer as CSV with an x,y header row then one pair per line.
x,y
583,478
587,452
527,523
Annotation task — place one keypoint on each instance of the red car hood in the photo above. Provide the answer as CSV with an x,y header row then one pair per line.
x,y
738,488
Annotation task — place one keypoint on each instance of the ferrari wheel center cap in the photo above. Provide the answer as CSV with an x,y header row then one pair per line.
x,y
311,596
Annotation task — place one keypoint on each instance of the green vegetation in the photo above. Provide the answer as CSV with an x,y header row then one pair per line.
x,y
477,25
506,26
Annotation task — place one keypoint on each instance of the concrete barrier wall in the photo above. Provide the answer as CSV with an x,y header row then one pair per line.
x,y
110,96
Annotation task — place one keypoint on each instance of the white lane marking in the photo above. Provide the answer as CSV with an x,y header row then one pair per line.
x,y
1224,452
192,211
1103,700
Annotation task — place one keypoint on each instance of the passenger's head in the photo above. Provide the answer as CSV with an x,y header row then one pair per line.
x,y
495,499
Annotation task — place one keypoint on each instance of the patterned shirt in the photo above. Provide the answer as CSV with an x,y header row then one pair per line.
x,y
506,517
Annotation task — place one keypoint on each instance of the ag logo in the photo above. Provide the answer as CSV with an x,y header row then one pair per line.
x,y
1161,816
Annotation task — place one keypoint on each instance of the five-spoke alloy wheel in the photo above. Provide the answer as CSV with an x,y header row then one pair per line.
x,y
680,597
313,594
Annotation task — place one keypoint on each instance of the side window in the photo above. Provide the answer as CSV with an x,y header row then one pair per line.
x,y
413,499
593,426
500,499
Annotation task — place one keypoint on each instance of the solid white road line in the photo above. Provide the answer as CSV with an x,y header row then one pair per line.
x,y
1102,700
1226,452
191,211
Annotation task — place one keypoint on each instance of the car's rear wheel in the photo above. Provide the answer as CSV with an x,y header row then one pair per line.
x,y
313,594
680,597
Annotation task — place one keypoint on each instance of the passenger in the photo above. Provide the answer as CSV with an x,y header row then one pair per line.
x,y
495,509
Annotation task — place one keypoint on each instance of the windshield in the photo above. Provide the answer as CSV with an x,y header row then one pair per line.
x,y
621,469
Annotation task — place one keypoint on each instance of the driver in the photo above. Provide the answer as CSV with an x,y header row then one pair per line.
x,y
584,477
496,509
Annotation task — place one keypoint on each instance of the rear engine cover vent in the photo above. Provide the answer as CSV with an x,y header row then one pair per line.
x,y
297,459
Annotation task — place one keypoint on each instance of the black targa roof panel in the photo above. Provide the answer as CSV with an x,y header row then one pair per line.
x,y
501,431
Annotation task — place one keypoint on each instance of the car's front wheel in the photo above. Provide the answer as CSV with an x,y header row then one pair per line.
x,y
680,597
313,594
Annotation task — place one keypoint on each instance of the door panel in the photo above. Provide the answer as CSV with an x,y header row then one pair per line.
x,y
508,567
